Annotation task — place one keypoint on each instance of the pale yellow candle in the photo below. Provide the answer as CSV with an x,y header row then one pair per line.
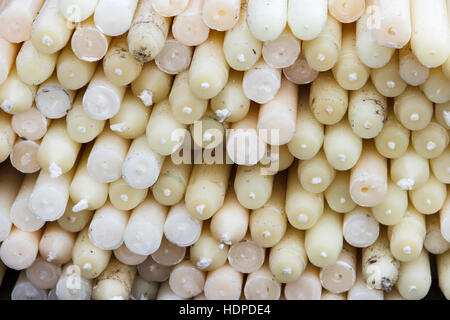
x,y
360,228
307,18
315,174
410,171
124,197
180,227
440,166
43,274
224,283
23,156
207,133
77,10
25,290
88,42
411,70
434,242
10,181
246,256
360,291
300,72
443,262
261,83
114,17
72,221
143,290
260,285
30,124
56,244
175,57
393,140
169,254
20,249
149,270
169,9
267,20
186,281
283,51
391,210
346,11
307,286
53,100
442,114
124,255
435,86
429,198
277,159
15,95
337,194
67,286
188,26
221,15
341,276
444,215
387,79
414,279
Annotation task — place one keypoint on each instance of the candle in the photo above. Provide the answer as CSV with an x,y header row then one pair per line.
x,y
43,274
442,114
360,228
221,15
53,100
115,282
23,156
246,256
440,166
169,9
414,279
391,210
20,248
283,51
15,95
443,272
393,140
307,18
175,57
224,283
434,242
180,227
261,83
277,159
410,171
316,174
50,31
445,219
207,133
10,181
166,293
300,72
337,194
149,270
88,42
169,254
260,285
56,244
267,20
346,11
72,72
387,79
114,17
360,291
411,70
30,124
124,197
77,10
25,290
434,86
90,259
252,188
307,286
143,290
186,281
148,32
72,286
188,26
124,255
16,19
74,221
429,198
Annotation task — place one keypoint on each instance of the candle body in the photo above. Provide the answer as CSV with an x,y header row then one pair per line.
x,y
188,26
410,171
34,67
107,227
16,96
341,276
56,244
338,193
88,42
77,10
414,280
391,210
72,72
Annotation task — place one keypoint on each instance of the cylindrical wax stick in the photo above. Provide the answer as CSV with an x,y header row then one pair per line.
x,y
114,17
115,282
171,8
346,11
148,32
307,286
307,18
414,279
77,10
391,210
124,255
360,228
43,274
442,114
246,256
19,250
72,286
411,70
261,83
434,242
441,167
34,67
260,285
124,197
338,194
300,72
180,227
143,290
72,72
72,221
435,86
278,158
53,100
443,262
186,281
315,174
349,71
169,254
90,259
429,198
283,51
267,20
360,291
166,293
30,124
224,283
50,31
56,244
188,26
25,290
322,52
149,270
430,39
387,79
208,133
102,98
15,95
341,276
174,57
221,15
23,156
393,140
88,42
10,181
445,219
410,171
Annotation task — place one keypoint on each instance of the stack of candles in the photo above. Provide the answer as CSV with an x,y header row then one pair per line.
x,y
225,149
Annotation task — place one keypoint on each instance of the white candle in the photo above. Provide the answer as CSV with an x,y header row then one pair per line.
x,y
440,166
410,171
166,293
113,17
391,210
171,8
411,70
143,290
19,250
360,228
414,279
267,20
445,219
74,221
10,181
337,194
56,244
443,273
346,11
429,198
9,53
43,274
434,242
434,86
124,197
175,57
316,174
221,15
72,72
387,79
307,286
169,254
283,51
180,227
15,95
300,72
306,18
186,280
72,286
88,42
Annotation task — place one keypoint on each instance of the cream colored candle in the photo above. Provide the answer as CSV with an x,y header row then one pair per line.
x,y
53,100
72,221
221,15
360,228
207,253
50,31
277,159
9,53
143,290
124,197
102,98
169,9
252,187
77,10
30,124
23,156
341,276
186,281
414,279
188,26
307,286
337,194
224,283
169,254
410,171
324,240
72,286
443,261
260,285
114,17
349,71
283,51
207,133
434,242
322,52
56,244
149,270
72,72
229,224
175,57
261,83
307,18
435,86
442,114
115,282
393,140
171,185
25,290
19,250
411,70
445,219
387,79
88,42
309,133
166,293
315,174
327,100
43,274
15,95
124,255
268,224
429,198
360,291
391,210
16,19
430,40
10,181
89,258
186,107
34,67
267,20
148,32
180,227
246,256
346,11
231,104
300,72
440,166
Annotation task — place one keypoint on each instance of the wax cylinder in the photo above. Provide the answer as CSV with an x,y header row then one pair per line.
x,y
349,71
267,20
277,159
434,242
260,285
445,219
115,282
186,107
430,39
224,283
300,72
261,83
15,95
221,15
72,286
88,42
169,9
411,70
23,156
333,296
387,79
53,100
34,67
16,19
207,133
309,133
89,258
360,291
72,221
186,280
207,253
346,11
327,100
50,30
174,57
43,274
113,17
171,185
414,279
149,270
19,250
77,10
360,228
391,210
283,51
406,237
316,174
443,261
143,290
30,124
337,194
102,98
124,197
56,244
410,171
10,182
442,114
205,192
307,18
25,290
169,254
435,86
322,52
306,287
341,276
440,166
246,256
188,26
268,223
429,198
393,140
124,255
180,227
72,72
152,85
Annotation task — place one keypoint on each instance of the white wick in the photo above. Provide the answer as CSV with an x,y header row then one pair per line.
x,y
316,180
406,183
353,76
81,129
167,192
46,40
407,250
414,117
187,110
87,266
320,57
240,57
266,234
329,110
302,218
342,200
119,127
287,270
303,146
431,145
200,208
252,195
204,262
6,105
221,246
162,141
124,197
323,254
390,84
55,170
428,202
367,125
223,114
205,85
80,206
391,145
207,136
118,71
51,256
146,97
341,157
412,288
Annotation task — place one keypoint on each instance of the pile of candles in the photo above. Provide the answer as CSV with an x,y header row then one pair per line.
x,y
225,149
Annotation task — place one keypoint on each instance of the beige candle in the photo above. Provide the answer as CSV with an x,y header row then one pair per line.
x,y
360,291
346,11
72,286
443,272
43,274
307,286
56,244
207,133
19,250
252,188
188,26
186,281
221,15
260,285
393,140
410,171
414,279
25,290
440,166
300,72
72,221
124,255
360,228
337,194
316,174
434,242
143,290
88,42
261,83
307,18
15,95
169,254
411,70
434,86
391,210
246,256
445,219
114,17
283,51
77,10
224,283
429,198
180,227
175,57
53,100
277,159
23,156
267,20
30,124
387,79
442,114
149,270
10,182
341,276
124,197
